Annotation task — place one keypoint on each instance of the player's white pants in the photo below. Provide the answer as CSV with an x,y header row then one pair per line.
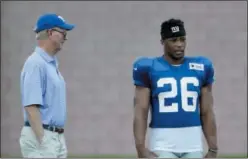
x,y
165,154
185,141
52,146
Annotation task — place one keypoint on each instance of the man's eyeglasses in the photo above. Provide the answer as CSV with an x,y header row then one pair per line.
x,y
62,32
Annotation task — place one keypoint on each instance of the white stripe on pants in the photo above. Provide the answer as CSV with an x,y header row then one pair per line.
x,y
53,144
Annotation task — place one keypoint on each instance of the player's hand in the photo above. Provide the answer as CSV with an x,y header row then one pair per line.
x,y
211,155
145,153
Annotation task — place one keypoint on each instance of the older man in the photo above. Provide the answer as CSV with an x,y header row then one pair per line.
x,y
43,92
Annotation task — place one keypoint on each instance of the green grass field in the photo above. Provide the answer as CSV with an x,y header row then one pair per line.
x,y
125,156
133,156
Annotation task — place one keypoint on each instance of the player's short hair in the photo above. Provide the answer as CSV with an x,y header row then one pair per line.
x,y
172,28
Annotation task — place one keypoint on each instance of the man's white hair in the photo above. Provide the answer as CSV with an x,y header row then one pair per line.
x,y
43,35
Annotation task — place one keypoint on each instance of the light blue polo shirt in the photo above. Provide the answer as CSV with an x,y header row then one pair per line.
x,y
42,84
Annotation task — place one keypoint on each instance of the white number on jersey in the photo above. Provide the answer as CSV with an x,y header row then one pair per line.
x,y
185,94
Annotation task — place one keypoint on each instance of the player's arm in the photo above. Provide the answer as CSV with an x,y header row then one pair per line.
x,y
141,109
32,97
207,112
208,117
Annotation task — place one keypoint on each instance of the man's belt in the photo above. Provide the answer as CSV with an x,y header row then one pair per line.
x,y
50,128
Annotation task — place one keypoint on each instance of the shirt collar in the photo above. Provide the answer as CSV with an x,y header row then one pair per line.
x,y
46,56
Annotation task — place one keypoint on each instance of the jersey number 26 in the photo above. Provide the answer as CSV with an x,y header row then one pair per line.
x,y
185,94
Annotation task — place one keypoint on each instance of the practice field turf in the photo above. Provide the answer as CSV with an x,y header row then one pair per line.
x,y
133,156
124,156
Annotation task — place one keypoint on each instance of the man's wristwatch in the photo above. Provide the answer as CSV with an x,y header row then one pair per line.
x,y
213,150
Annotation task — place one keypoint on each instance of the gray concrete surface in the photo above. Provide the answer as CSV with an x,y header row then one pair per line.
x,y
97,59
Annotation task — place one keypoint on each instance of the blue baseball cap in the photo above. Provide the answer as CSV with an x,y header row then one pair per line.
x,y
49,21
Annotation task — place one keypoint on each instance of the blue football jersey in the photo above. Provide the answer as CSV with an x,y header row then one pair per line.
x,y
175,90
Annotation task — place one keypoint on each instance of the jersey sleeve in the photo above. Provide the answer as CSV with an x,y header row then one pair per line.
x,y
141,69
209,72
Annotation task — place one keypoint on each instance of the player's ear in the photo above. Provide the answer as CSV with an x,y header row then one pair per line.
x,y
162,41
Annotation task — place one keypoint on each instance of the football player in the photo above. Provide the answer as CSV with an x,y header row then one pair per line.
x,y
178,92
